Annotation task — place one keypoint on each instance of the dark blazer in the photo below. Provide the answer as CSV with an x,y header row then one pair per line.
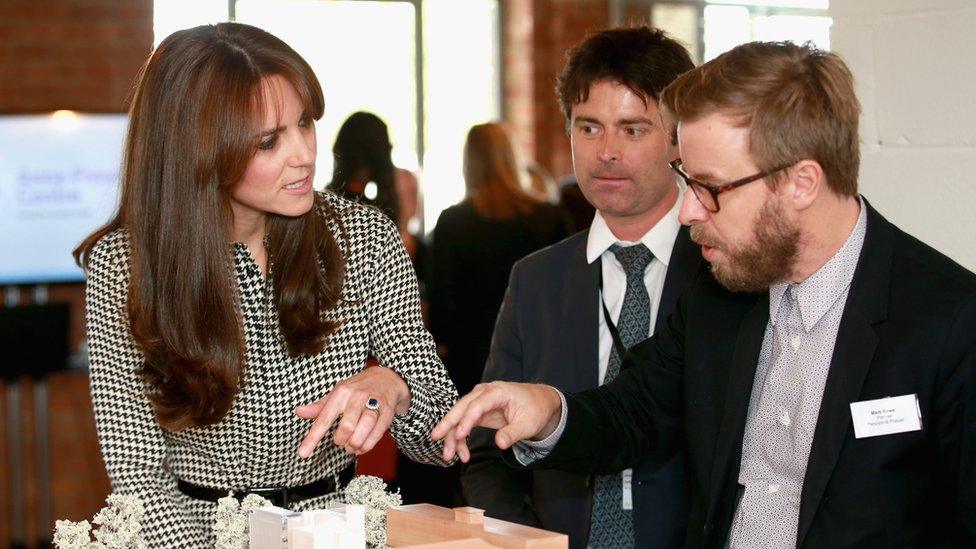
x,y
471,258
909,326
548,332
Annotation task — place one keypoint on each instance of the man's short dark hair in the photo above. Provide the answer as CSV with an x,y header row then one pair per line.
x,y
645,60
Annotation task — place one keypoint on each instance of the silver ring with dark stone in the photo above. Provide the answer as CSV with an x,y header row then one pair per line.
x,y
373,404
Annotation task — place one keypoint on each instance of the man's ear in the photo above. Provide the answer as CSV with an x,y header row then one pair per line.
x,y
807,181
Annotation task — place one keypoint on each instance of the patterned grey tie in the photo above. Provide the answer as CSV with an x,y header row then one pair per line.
x,y
611,525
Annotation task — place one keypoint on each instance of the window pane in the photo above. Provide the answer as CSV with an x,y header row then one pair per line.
x,y
461,89
681,22
806,4
170,16
363,54
725,28
795,28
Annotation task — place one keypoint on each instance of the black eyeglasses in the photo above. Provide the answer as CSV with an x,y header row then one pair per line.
x,y
708,194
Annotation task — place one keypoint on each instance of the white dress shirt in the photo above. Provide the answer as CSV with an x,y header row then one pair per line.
x,y
660,241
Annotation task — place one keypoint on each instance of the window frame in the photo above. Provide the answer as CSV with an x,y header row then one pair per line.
x,y
617,9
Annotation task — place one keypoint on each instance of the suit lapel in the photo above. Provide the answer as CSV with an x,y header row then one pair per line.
x,y
745,358
580,307
867,305
684,263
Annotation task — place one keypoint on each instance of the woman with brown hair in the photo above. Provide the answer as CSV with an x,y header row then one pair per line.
x,y
226,296
363,159
476,242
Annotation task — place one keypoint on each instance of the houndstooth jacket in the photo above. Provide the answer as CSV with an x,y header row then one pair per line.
x,y
256,444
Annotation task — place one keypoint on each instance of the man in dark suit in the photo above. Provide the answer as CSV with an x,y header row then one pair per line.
x,y
566,304
820,375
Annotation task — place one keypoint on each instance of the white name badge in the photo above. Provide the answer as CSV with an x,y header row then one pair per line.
x,y
886,416
628,500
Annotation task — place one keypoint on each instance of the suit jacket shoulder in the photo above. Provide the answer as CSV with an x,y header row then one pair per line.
x,y
555,258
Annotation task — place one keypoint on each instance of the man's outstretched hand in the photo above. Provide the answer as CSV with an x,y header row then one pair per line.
x,y
519,411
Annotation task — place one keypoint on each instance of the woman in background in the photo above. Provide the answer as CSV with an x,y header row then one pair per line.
x,y
226,297
364,171
475,243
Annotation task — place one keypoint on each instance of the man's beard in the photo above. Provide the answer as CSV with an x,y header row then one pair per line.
x,y
765,260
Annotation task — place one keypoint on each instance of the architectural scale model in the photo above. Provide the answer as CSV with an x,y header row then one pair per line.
x,y
425,526
420,526
338,527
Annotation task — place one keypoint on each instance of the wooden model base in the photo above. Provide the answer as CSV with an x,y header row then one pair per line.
x,y
426,526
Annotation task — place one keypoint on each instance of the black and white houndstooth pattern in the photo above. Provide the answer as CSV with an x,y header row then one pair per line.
x,y
257,442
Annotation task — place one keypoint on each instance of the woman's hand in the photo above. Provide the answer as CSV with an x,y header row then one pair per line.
x,y
359,429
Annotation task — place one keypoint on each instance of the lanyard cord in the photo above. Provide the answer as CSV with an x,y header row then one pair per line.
x,y
614,333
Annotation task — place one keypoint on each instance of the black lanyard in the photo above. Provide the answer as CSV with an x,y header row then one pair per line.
x,y
617,343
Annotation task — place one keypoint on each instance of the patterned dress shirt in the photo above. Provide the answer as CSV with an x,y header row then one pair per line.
x,y
786,395
256,443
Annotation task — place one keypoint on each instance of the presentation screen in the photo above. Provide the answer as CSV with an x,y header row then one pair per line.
x,y
59,180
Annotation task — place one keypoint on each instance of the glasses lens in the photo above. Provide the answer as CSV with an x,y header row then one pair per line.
x,y
704,196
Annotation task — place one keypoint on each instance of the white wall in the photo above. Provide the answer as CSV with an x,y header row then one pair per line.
x,y
916,79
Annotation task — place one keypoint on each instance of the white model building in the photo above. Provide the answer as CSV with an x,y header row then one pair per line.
x,y
338,527
268,527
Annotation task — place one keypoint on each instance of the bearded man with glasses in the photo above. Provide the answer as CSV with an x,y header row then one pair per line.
x,y
819,371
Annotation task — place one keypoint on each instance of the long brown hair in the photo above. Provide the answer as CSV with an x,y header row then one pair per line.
x,y
193,121
362,149
491,174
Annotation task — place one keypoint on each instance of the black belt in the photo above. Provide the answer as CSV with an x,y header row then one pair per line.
x,y
280,497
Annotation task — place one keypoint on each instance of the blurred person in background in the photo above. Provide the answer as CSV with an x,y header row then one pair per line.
x,y
473,248
474,245
572,199
364,171
541,182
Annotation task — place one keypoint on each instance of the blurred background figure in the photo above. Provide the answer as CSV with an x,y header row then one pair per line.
x,y
474,245
572,200
541,183
364,171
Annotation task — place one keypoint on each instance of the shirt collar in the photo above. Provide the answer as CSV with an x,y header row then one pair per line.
x,y
818,293
659,239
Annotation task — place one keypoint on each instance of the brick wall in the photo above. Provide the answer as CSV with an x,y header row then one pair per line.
x,y
62,54
918,127
81,55
539,32
517,20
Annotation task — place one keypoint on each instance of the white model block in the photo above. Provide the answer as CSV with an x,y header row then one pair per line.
x,y
310,537
353,515
351,538
332,535
294,524
323,516
268,527
338,527
356,516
